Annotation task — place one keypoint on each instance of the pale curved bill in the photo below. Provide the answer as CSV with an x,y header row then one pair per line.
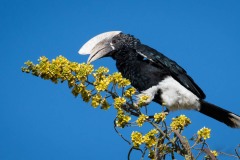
x,y
89,45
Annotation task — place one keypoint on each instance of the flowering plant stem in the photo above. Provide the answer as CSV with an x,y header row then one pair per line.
x,y
106,90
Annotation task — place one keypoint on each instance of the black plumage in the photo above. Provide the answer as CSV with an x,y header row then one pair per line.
x,y
145,67
152,72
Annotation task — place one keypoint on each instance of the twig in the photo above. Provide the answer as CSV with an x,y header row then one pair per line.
x,y
144,152
230,155
184,143
200,150
122,91
157,147
208,152
164,134
133,148
115,128
127,109
172,152
237,152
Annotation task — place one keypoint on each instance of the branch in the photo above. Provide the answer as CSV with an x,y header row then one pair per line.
x,y
106,86
134,148
237,151
115,128
184,143
209,153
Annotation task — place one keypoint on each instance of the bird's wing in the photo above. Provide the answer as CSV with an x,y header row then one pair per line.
x,y
176,71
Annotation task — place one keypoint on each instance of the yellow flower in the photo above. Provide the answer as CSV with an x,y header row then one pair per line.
x,y
116,77
59,69
122,119
29,67
141,119
102,85
158,117
118,102
129,92
45,68
204,133
151,154
102,70
150,138
86,95
100,74
180,122
83,70
81,88
142,100
104,104
96,100
43,59
123,83
136,138
215,153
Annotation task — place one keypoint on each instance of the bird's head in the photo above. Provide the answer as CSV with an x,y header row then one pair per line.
x,y
107,44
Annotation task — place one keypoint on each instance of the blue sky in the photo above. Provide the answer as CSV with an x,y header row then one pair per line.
x,y
40,120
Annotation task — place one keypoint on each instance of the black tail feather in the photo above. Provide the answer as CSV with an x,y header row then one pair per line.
x,y
220,114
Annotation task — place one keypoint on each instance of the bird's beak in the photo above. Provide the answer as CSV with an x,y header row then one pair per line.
x,y
99,46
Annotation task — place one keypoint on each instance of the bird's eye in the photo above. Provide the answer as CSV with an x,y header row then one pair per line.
x,y
114,41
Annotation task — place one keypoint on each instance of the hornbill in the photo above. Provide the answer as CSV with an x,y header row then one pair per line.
x,y
155,75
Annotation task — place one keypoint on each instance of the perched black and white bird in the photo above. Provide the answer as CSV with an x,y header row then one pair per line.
x,y
155,75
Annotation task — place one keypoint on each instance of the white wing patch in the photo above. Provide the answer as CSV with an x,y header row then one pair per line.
x,y
174,95
145,56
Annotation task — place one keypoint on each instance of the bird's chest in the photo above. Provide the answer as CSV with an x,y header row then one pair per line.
x,y
136,71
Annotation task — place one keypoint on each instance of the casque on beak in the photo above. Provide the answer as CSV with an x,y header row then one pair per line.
x,y
99,46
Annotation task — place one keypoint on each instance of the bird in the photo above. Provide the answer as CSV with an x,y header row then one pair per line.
x,y
155,75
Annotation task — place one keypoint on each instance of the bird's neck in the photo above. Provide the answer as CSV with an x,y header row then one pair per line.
x,y
127,63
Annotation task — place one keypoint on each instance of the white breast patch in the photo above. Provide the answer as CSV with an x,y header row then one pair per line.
x,y
174,95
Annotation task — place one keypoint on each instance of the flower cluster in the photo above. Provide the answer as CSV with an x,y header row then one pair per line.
x,y
151,154
204,133
97,86
122,119
142,100
148,139
141,119
129,92
118,102
100,71
60,70
118,79
102,85
105,104
81,89
137,138
96,100
180,122
215,153
101,80
158,117
82,71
